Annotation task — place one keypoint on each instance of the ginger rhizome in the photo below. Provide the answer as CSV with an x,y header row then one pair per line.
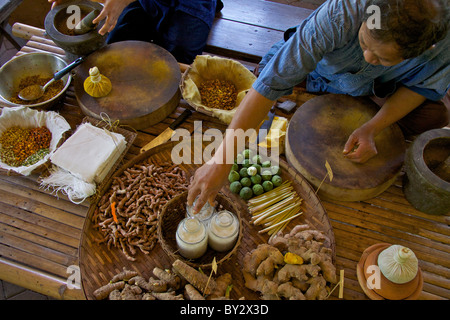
x,y
302,273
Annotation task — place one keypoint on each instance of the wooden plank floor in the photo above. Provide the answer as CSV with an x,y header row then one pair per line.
x,y
40,232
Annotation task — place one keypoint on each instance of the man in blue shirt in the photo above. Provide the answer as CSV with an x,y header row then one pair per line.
x,y
179,26
404,60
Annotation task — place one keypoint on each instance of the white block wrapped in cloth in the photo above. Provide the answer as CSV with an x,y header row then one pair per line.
x,y
84,160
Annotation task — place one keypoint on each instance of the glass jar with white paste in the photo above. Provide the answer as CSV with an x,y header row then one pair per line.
x,y
192,238
223,231
204,215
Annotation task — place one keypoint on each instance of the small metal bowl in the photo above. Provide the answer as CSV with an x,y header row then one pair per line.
x,y
30,64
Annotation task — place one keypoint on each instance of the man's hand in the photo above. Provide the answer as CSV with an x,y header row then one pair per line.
x,y
213,175
206,183
360,146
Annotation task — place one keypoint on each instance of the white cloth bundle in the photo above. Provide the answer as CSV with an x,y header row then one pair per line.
x,y
84,160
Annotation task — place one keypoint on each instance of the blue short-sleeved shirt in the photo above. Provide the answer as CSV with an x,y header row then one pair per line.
x,y
325,50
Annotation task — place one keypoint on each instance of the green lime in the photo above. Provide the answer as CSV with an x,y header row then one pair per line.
x,y
267,185
246,182
256,179
239,158
276,180
275,170
246,163
235,187
257,189
256,159
246,193
247,153
243,172
266,164
266,175
233,176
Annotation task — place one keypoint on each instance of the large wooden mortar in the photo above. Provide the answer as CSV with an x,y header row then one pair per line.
x,y
145,84
318,132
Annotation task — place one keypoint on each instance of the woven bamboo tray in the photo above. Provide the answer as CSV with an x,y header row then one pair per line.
x,y
98,264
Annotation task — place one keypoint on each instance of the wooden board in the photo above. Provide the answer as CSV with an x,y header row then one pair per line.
x,y
264,13
99,264
318,131
144,77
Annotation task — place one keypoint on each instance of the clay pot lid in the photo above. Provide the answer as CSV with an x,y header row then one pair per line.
x,y
372,294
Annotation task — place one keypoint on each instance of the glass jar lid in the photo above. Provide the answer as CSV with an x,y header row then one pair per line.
x,y
224,224
205,212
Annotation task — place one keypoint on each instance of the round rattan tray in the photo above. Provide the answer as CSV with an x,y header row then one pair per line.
x,y
99,263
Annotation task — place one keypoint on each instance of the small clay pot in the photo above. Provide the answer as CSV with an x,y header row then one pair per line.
x,y
388,289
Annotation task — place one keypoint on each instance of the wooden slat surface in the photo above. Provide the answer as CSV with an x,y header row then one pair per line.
x,y
247,29
40,233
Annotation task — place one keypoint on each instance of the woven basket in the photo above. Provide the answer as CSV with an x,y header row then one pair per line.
x,y
175,211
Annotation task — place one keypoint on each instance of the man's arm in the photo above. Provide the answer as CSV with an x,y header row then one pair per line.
x,y
402,102
210,177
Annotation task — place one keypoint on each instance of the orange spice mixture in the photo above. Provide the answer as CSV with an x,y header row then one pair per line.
x,y
51,91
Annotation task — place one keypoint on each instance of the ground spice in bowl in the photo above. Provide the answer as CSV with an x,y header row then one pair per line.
x,y
218,94
51,91
24,147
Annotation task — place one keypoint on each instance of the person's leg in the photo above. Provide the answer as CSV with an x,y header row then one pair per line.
x,y
185,37
429,115
133,24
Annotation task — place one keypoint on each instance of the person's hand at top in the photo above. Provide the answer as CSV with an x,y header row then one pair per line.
x,y
111,12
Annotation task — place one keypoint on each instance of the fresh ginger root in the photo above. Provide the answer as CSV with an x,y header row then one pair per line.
x,y
288,291
263,260
302,273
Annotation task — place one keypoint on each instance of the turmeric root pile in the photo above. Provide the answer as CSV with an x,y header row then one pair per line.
x,y
180,283
294,266
127,213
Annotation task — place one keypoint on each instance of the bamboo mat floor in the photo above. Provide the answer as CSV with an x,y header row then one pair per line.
x,y
370,218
